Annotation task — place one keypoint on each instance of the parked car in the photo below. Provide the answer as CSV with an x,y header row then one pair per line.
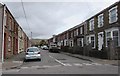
x,y
32,53
54,48
44,47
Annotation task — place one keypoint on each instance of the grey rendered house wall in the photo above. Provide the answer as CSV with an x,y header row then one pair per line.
x,y
1,14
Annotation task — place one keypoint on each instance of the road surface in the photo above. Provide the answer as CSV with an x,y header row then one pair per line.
x,y
58,63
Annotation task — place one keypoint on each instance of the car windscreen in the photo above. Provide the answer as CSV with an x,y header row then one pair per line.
x,y
32,50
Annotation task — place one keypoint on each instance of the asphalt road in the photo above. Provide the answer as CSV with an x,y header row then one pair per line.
x,y
57,63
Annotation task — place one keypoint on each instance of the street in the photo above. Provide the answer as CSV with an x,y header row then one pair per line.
x,y
59,63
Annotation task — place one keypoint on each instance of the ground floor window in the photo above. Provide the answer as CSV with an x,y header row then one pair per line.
x,y
93,41
81,42
9,43
90,40
108,37
115,38
71,43
112,35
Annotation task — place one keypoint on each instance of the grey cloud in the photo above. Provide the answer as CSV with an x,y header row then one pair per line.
x,y
48,18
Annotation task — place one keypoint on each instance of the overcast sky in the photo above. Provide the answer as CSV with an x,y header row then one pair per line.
x,y
48,18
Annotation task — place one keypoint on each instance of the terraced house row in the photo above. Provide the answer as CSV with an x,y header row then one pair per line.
x,y
98,36
13,39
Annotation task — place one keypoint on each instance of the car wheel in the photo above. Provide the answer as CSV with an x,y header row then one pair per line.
x,y
40,59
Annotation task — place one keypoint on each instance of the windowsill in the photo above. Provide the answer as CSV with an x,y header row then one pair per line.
x,y
91,30
100,26
112,22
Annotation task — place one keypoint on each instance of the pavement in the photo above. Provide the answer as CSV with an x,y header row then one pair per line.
x,y
13,62
92,59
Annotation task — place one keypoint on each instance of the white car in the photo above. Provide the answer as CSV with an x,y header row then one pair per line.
x,y
44,47
33,53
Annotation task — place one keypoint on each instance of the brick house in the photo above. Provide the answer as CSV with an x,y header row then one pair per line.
x,y
10,33
98,31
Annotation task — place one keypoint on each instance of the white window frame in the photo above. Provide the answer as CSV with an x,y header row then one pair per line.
x,y
91,40
88,40
71,34
71,43
81,30
100,21
110,20
111,36
74,32
91,24
81,40
77,32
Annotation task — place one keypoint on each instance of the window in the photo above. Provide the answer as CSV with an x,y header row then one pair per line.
x,y
74,32
87,40
100,20
77,32
71,43
115,38
113,15
9,43
66,43
81,42
90,40
93,41
10,23
85,28
91,24
81,30
112,35
108,37
71,34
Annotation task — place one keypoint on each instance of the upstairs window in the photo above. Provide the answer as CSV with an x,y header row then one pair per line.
x,y
113,15
77,31
81,30
71,35
91,24
100,20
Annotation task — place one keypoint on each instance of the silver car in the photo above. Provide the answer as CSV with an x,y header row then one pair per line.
x,y
33,53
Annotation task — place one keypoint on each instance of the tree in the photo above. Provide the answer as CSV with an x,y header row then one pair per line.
x,y
42,42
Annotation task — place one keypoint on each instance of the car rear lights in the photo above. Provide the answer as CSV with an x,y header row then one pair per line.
x,y
38,52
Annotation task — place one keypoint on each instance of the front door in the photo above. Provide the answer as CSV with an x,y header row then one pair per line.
x,y
100,40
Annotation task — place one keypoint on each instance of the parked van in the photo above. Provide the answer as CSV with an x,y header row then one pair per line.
x,y
54,48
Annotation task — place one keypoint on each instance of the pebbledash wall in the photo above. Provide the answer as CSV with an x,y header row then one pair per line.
x,y
97,31
12,37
